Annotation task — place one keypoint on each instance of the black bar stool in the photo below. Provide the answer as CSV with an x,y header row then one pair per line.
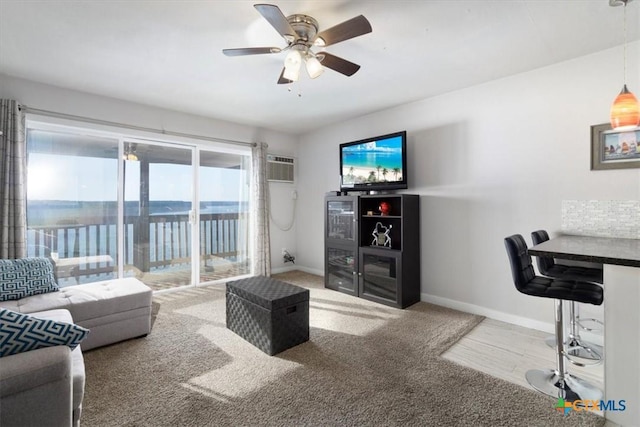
x,y
547,266
553,382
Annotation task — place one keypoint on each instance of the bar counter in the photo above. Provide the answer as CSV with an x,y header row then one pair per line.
x,y
602,250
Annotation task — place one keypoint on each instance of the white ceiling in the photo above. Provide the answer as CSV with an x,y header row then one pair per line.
x,y
169,53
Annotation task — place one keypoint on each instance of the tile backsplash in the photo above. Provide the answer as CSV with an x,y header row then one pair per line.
x,y
606,218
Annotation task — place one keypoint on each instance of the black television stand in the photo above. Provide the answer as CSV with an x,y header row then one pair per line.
x,y
371,255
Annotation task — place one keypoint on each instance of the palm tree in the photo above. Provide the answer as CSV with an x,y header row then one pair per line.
x,y
396,171
372,176
385,171
378,168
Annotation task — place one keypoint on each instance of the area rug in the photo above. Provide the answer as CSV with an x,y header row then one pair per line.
x,y
366,364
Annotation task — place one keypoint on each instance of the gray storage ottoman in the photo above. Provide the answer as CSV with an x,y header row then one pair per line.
x,y
270,314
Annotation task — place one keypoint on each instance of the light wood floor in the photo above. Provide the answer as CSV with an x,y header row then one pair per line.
x,y
507,351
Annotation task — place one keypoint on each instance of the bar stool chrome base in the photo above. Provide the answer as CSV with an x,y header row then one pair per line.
x,y
570,388
580,349
558,382
590,325
575,346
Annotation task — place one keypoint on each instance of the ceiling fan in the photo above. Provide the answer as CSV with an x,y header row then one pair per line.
x,y
301,34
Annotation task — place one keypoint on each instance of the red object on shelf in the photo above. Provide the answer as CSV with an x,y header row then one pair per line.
x,y
384,208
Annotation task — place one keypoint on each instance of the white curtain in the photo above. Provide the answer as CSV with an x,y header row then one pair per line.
x,y
260,203
13,173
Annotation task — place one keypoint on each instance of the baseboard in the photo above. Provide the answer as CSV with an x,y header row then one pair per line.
x,y
525,322
297,267
284,269
487,312
310,270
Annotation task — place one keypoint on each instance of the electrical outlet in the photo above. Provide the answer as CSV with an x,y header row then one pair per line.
x,y
289,258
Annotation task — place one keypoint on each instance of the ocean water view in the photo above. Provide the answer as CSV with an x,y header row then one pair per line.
x,y
371,166
85,228
367,159
59,212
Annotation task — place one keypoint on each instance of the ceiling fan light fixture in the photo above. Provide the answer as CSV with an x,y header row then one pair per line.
x,y
292,73
292,64
293,59
314,68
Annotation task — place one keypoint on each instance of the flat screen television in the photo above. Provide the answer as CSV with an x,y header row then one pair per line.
x,y
374,164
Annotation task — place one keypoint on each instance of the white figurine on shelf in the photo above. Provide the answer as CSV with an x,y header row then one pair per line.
x,y
381,235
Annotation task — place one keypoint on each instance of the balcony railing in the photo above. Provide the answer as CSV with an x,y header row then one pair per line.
x,y
87,250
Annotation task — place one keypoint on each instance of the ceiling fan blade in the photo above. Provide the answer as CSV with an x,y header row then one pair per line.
x,y
276,18
338,64
347,30
282,80
250,51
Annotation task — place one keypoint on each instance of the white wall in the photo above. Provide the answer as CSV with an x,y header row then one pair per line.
x,y
489,161
45,97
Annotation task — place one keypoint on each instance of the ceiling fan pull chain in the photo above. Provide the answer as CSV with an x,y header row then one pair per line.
x,y
299,90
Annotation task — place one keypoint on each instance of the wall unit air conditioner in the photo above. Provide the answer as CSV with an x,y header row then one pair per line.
x,y
280,168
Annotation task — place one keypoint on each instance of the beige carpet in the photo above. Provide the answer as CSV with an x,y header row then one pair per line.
x,y
365,365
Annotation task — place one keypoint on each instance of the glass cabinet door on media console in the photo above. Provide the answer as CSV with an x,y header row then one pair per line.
x,y
380,274
341,272
341,218
341,243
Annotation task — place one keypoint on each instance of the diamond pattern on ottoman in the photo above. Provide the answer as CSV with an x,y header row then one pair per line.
x,y
268,313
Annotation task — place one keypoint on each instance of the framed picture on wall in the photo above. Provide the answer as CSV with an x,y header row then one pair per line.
x,y
614,149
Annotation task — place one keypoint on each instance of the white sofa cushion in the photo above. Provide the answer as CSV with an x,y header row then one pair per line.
x,y
21,332
89,300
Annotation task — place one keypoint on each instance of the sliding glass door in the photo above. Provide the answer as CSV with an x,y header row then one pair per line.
x,y
103,206
223,215
72,204
158,205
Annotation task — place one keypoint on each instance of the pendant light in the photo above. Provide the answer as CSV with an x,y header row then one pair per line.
x,y
625,111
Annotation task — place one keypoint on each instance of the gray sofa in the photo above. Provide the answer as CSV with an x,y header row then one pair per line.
x,y
43,387
46,386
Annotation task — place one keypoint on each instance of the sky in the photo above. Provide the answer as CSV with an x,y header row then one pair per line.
x,y
58,177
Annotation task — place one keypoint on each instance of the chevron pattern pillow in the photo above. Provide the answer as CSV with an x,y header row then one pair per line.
x,y
24,277
20,332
